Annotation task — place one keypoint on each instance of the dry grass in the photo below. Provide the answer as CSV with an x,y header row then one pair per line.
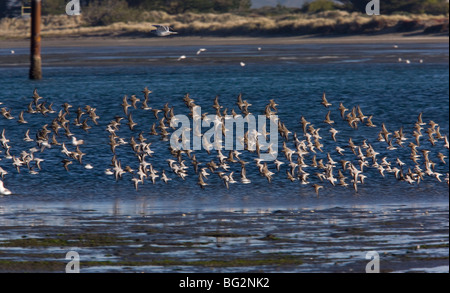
x,y
338,22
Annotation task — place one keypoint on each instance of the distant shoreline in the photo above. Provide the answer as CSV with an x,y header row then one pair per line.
x,y
194,40
199,29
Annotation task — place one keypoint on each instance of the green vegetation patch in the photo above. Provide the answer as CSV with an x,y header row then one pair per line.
x,y
55,266
79,240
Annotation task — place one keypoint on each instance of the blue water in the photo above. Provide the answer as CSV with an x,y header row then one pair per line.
x,y
393,92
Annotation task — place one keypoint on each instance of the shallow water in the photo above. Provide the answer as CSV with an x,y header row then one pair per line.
x,y
407,239
395,93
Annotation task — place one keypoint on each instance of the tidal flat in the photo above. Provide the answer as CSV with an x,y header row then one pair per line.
x,y
331,239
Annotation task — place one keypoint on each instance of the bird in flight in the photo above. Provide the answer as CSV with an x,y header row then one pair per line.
x,y
163,30
201,50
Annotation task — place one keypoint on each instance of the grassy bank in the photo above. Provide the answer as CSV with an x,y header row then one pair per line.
x,y
227,24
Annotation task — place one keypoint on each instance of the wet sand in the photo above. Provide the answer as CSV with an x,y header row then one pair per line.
x,y
332,239
90,51
198,41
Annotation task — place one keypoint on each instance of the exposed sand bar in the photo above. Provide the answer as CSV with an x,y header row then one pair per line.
x,y
101,51
194,41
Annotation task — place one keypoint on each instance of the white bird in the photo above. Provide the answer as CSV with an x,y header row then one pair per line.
x,y
201,50
12,52
109,172
3,189
163,30
242,64
76,142
136,181
181,57
3,172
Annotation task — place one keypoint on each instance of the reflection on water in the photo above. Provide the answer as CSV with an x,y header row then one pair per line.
x,y
329,239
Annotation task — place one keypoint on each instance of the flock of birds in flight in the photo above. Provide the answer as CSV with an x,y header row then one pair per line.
x,y
304,148
302,152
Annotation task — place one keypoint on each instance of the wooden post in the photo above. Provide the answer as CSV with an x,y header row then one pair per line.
x,y
35,66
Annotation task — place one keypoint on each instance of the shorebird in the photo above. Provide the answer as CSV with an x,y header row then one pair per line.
x,y
240,103
304,123
201,182
21,120
204,172
333,133
369,122
27,136
266,173
146,92
66,164
317,187
118,171
244,178
136,182
3,140
7,113
278,164
419,119
85,126
3,189
442,157
155,113
153,175
384,132
77,142
361,116
164,177
324,101
36,96
342,109
201,50
125,105
163,30
3,172
340,150
327,119
131,124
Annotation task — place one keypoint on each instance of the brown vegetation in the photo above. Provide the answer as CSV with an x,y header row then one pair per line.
x,y
227,24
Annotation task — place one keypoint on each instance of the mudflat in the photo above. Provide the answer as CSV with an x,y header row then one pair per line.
x,y
193,41
333,239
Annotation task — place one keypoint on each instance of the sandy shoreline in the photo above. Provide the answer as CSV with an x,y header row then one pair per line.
x,y
193,41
